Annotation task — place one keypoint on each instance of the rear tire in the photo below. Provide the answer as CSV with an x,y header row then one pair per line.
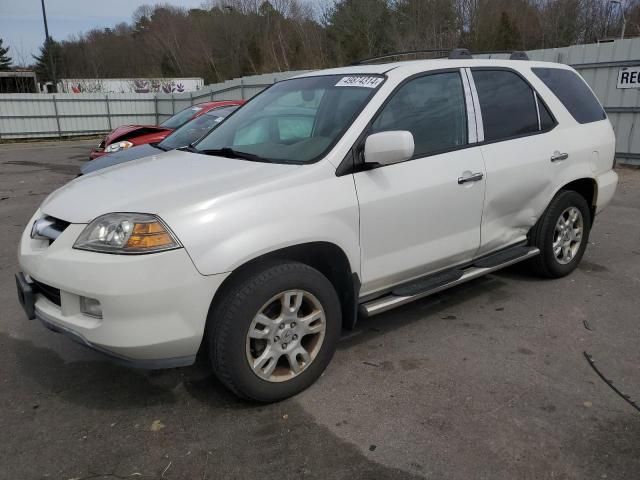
x,y
561,234
275,331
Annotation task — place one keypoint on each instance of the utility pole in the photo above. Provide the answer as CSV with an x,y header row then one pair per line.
x,y
47,42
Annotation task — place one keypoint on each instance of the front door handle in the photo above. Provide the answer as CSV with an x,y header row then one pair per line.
x,y
558,157
474,177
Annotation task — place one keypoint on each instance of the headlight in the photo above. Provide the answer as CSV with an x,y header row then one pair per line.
x,y
114,147
127,233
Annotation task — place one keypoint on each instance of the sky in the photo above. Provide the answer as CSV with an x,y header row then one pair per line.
x,y
22,28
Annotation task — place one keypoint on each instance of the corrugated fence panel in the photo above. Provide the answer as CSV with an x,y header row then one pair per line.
x,y
86,116
131,108
27,116
68,114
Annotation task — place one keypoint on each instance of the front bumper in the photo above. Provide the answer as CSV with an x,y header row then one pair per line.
x,y
96,154
154,307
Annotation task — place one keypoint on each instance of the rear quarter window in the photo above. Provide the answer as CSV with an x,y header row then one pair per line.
x,y
573,92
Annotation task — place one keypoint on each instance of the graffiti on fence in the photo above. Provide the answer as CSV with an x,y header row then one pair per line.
x,y
130,85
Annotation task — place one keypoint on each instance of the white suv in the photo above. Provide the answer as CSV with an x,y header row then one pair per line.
x,y
334,194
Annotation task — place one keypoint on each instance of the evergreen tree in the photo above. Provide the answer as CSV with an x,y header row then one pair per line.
x,y
358,28
507,34
5,60
48,65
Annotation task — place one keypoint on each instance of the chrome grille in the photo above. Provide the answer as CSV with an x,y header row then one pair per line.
x,y
48,228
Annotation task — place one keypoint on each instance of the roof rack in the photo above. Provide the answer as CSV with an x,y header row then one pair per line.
x,y
442,51
513,54
460,54
519,56
452,54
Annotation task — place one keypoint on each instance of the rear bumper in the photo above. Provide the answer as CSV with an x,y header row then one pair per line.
x,y
154,307
607,184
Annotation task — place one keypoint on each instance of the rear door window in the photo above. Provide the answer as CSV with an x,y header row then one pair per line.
x,y
573,92
507,103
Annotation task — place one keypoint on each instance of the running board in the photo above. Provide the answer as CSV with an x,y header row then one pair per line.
x,y
404,295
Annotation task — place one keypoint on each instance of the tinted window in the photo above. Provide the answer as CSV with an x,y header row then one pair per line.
x,y
573,92
432,108
546,119
295,120
507,104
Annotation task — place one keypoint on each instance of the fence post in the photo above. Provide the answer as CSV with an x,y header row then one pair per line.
x,y
155,107
212,95
106,101
55,110
242,88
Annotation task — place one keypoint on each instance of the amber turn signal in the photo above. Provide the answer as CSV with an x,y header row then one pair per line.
x,y
149,236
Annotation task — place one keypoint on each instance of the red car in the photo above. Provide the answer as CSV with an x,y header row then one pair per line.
x,y
127,136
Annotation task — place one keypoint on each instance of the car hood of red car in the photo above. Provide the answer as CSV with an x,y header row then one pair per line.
x,y
126,132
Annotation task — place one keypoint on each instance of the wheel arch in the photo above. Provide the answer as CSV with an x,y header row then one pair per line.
x,y
326,257
588,188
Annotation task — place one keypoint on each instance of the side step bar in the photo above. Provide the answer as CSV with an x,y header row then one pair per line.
x,y
409,293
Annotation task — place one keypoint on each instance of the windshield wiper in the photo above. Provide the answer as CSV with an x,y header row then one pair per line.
x,y
189,148
159,147
230,153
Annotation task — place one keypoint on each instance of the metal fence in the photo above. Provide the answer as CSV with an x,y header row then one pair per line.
x,y
68,114
58,115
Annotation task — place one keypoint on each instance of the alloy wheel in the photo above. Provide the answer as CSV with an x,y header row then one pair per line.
x,y
285,336
567,236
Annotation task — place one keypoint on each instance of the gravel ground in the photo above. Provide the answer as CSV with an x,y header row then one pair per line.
x,y
486,381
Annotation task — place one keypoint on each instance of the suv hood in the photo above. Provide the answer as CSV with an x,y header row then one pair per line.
x,y
172,183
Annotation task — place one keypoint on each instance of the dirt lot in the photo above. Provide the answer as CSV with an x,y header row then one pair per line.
x,y
487,381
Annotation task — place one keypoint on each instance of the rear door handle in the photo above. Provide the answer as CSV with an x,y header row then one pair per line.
x,y
474,177
558,157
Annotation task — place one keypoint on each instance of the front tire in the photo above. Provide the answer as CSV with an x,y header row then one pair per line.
x,y
561,234
275,331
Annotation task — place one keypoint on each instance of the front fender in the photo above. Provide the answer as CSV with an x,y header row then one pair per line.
x,y
312,205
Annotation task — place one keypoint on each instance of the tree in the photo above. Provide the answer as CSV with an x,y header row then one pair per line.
x,y
5,60
168,66
507,35
424,24
359,28
228,38
49,65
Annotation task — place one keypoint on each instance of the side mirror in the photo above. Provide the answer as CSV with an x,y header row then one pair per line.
x,y
387,148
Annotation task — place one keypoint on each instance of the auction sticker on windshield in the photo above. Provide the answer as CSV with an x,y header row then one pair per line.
x,y
359,81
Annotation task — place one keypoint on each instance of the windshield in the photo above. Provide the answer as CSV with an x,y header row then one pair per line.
x,y
181,117
294,121
196,128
